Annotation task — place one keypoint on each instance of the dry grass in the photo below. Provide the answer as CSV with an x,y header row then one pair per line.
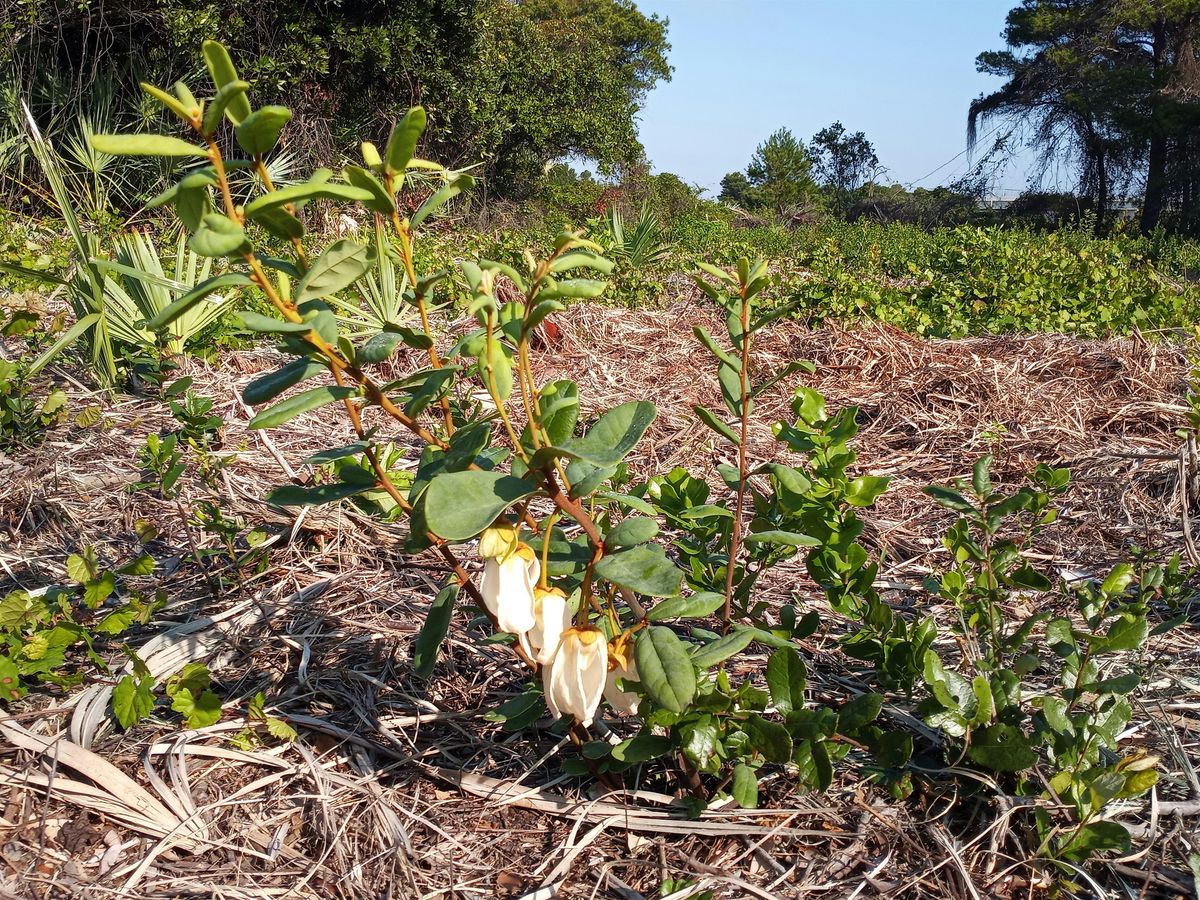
x,y
400,789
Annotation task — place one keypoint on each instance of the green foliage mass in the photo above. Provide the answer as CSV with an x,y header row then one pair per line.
x,y
509,85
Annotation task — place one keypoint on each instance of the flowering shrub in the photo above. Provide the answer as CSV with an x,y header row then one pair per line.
x,y
579,579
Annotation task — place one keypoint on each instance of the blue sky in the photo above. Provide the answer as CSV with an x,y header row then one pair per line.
x,y
903,71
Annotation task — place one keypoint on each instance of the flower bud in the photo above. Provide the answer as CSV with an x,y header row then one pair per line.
x,y
551,618
574,679
507,588
497,541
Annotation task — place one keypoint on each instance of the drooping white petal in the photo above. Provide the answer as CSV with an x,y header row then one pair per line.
x,y
507,589
574,678
551,619
624,702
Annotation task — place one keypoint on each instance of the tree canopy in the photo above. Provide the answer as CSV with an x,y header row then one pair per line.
x,y
511,84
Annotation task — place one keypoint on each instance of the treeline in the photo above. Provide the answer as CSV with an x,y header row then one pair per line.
x,y
510,85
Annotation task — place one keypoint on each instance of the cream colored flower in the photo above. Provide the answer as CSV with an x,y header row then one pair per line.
x,y
551,618
622,665
509,576
574,678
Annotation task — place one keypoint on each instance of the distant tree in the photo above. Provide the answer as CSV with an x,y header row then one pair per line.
x,y
778,179
842,163
737,190
781,172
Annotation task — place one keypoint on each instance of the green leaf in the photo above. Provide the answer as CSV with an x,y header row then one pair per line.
x,y
745,786
459,505
184,112
259,132
699,604
82,568
786,678
721,649
643,746
665,670
614,435
949,498
634,530
198,711
310,190
11,688
288,409
280,730
176,309
218,236
380,347
709,418
381,201
1123,634
296,495
859,712
786,538
439,199
433,631
769,738
145,145
1096,837
269,325
279,223
228,93
403,141
132,700
269,386
865,490
222,70
518,712
343,263
1002,748
645,569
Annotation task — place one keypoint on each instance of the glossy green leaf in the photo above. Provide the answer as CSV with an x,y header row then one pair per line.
x,y
381,202
786,679
441,197
269,386
220,103
769,738
785,538
709,418
665,670
288,409
201,291
132,700
218,236
222,71
433,631
403,141
299,193
459,505
316,495
722,649
1002,748
183,111
259,132
703,603
632,531
644,569
745,786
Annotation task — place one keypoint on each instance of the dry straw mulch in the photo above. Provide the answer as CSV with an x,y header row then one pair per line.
x,y
401,789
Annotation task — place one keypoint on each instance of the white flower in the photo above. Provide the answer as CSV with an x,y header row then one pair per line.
x,y
507,584
622,665
574,678
551,618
